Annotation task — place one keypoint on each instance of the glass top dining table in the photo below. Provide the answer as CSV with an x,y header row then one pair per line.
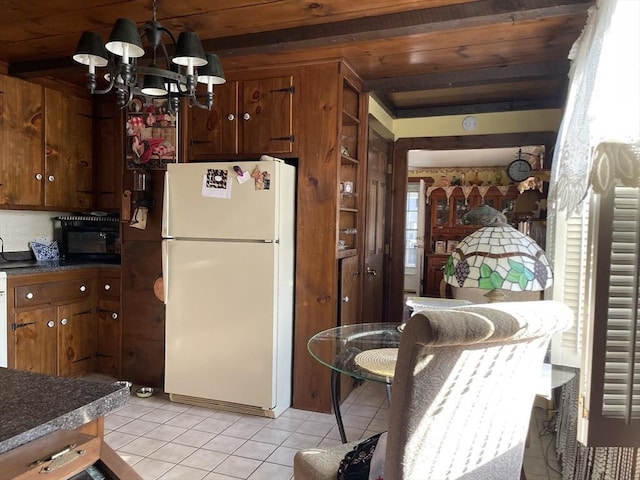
x,y
366,351
344,349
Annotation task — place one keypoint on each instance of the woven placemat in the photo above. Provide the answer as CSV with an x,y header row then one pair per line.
x,y
381,361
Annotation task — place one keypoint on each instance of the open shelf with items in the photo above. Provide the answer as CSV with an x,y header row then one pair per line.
x,y
349,174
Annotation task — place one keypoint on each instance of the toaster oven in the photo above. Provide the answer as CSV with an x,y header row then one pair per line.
x,y
88,238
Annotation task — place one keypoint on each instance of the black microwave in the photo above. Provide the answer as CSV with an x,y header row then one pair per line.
x,y
88,238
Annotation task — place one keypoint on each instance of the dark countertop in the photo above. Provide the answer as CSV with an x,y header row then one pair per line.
x,y
27,267
34,405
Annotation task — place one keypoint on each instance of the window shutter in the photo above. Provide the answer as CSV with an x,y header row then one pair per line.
x,y
614,402
571,281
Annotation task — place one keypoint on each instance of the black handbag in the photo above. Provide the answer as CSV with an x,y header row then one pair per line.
x,y
356,463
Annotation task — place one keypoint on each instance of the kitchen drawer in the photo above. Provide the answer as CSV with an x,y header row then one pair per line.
x,y
57,456
52,292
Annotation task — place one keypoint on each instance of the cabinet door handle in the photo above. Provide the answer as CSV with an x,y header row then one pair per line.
x,y
107,286
114,315
15,326
345,299
51,178
246,116
371,271
83,288
38,176
51,324
231,117
291,89
290,138
29,296
64,321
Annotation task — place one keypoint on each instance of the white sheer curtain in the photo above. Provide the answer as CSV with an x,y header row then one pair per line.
x,y
598,148
599,139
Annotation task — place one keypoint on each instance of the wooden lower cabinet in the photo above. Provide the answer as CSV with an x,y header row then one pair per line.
x,y
35,341
109,324
58,340
76,339
349,309
109,333
57,325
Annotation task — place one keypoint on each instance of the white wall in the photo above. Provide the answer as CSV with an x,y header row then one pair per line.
x,y
19,227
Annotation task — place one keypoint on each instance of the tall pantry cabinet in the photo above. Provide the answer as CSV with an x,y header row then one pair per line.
x,y
332,151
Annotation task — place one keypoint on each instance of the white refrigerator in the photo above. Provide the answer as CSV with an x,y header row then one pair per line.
x,y
228,271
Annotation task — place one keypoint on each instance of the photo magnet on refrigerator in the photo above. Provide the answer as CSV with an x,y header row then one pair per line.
x,y
241,175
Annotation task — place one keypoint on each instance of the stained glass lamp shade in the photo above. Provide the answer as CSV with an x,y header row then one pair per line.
x,y
498,257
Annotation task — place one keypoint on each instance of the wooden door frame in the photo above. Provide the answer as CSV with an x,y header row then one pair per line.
x,y
399,191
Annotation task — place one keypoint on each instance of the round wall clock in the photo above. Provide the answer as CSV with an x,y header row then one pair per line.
x,y
519,170
470,123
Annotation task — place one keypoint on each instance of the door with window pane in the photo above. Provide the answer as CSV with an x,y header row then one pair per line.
x,y
411,234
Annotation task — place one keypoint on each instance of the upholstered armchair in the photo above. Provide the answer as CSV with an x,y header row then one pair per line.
x,y
463,390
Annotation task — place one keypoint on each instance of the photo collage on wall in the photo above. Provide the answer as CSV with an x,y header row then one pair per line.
x,y
151,134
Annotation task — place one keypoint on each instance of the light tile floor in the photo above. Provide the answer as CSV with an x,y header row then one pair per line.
x,y
170,441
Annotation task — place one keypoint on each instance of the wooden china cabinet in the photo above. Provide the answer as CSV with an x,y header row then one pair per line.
x,y
445,208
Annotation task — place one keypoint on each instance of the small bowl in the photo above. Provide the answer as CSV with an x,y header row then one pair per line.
x,y
144,392
123,383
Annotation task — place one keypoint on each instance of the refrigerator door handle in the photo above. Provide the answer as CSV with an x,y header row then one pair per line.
x,y
165,207
165,270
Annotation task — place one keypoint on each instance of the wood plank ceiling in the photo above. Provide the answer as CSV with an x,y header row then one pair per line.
x,y
418,57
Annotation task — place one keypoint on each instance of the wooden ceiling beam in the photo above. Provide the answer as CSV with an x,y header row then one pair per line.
x,y
465,78
348,32
416,22
478,108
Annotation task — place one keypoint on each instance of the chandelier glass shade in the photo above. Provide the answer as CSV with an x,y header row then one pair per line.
x,y
165,76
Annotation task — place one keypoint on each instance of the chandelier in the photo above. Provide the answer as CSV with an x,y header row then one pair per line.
x,y
164,76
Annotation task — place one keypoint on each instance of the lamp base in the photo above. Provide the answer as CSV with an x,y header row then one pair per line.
x,y
495,295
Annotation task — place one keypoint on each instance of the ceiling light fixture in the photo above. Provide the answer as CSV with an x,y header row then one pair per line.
x,y
176,78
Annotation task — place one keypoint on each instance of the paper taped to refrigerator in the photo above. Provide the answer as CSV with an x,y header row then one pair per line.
x,y
216,183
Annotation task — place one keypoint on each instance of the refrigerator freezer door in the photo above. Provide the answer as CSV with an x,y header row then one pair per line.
x,y
222,321
205,200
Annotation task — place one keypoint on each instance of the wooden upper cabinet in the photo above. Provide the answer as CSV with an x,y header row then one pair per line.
x,y
68,151
267,125
21,168
215,131
45,147
248,117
